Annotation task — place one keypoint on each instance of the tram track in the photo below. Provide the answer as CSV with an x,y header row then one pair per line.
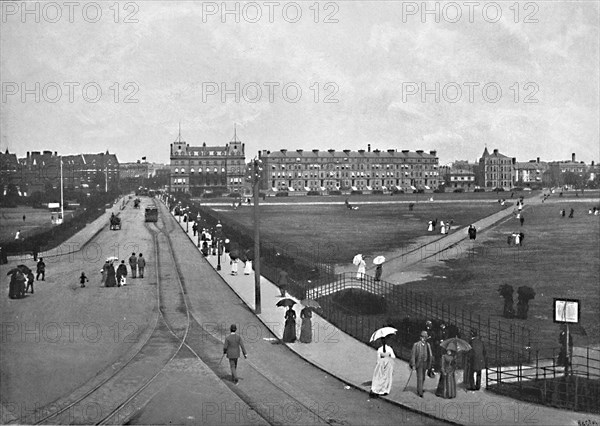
x,y
116,397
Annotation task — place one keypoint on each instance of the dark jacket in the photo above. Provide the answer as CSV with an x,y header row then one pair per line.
x,y
122,270
415,355
478,355
232,345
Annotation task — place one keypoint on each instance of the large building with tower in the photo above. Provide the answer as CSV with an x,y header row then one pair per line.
x,y
346,170
207,169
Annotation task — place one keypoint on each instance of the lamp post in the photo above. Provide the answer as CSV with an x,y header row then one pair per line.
x,y
198,228
218,238
254,175
187,219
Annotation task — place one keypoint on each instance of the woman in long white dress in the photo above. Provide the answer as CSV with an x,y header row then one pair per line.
x,y
384,370
362,269
442,227
248,267
430,228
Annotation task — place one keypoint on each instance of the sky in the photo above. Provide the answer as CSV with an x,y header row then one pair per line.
x,y
455,77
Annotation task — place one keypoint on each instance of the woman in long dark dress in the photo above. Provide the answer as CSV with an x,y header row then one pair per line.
x,y
447,384
111,279
306,329
378,271
289,332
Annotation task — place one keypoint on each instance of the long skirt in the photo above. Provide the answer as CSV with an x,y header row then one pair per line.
x,y
446,386
248,267
111,280
306,330
289,332
382,376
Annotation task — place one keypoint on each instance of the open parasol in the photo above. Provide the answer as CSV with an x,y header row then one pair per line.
x,y
357,259
310,303
112,259
382,332
286,302
234,254
378,260
455,344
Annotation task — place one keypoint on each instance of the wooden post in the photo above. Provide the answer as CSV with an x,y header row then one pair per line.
x,y
257,302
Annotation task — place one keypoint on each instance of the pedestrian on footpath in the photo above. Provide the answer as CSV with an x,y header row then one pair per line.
x,y
472,232
121,274
282,281
83,279
30,280
231,348
478,361
522,220
306,327
384,371
289,330
421,359
141,264
104,272
133,265
447,385
234,266
41,270
571,214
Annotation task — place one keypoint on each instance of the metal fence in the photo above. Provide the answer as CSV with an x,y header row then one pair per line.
x,y
543,381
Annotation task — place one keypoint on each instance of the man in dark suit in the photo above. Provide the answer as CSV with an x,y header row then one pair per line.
x,y
421,358
231,348
478,361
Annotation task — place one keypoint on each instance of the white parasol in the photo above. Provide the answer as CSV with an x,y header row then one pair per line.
x,y
357,259
382,332
378,260
112,259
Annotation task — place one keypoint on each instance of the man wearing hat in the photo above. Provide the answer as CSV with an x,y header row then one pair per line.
x,y
478,361
231,348
421,358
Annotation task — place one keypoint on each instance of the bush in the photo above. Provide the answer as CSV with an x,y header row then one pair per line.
x,y
479,190
397,191
282,194
335,192
419,191
234,195
313,193
359,192
377,192
459,190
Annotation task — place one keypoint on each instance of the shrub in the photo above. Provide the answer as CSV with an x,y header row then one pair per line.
x,y
358,192
377,191
313,193
459,190
282,194
335,192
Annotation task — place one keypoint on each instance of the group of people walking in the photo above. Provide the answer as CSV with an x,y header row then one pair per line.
x,y
289,330
423,362
117,277
444,226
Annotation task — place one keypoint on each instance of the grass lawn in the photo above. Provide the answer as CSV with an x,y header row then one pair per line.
x,y
560,258
337,233
36,220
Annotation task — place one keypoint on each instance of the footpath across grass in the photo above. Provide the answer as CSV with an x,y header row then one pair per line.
x,y
337,233
560,258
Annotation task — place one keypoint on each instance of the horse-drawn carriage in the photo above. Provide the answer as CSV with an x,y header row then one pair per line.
x,y
115,222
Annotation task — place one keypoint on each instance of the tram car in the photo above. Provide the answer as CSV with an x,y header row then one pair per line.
x,y
151,214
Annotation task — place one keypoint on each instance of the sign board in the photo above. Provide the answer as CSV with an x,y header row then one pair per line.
x,y
54,205
566,311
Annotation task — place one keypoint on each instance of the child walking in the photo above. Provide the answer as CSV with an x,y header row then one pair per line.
x,y
83,279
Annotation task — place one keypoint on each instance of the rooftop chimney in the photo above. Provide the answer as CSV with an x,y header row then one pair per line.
x,y
369,148
538,160
433,153
495,151
573,157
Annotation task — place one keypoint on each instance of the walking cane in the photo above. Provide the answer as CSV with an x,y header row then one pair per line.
x,y
406,385
221,360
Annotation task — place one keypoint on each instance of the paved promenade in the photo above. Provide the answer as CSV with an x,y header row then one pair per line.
x,y
353,362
